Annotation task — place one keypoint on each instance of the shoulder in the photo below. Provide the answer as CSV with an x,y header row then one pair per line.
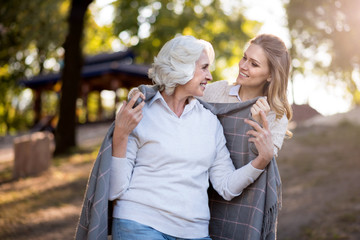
x,y
215,91
205,112
217,86
221,83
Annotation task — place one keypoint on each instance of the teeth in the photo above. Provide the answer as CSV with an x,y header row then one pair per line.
x,y
244,75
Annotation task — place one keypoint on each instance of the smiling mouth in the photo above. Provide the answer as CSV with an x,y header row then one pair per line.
x,y
203,84
243,74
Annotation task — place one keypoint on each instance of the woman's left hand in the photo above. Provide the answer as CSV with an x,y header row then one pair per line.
x,y
260,105
261,137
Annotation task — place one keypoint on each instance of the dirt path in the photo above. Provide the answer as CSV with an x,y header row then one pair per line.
x,y
321,194
319,168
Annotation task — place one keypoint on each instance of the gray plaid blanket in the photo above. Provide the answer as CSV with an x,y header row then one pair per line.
x,y
252,215
96,214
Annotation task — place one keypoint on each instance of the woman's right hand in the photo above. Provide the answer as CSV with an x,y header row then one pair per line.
x,y
261,137
133,92
125,122
128,117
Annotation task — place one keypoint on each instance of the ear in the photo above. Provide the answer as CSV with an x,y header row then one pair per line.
x,y
268,79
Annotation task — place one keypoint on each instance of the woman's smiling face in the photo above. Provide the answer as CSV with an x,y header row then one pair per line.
x,y
253,68
196,86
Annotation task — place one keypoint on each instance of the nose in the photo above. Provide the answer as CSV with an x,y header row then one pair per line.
x,y
243,64
208,76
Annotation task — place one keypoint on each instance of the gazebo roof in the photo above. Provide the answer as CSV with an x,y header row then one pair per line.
x,y
116,64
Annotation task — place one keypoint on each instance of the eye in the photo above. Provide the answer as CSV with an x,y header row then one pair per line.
x,y
254,64
244,58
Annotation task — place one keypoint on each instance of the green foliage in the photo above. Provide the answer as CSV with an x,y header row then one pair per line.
x,y
31,32
97,39
326,28
147,24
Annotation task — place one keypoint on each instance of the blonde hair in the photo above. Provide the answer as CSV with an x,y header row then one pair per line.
x,y
175,64
279,64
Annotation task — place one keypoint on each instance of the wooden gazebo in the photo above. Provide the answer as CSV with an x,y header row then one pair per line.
x,y
100,72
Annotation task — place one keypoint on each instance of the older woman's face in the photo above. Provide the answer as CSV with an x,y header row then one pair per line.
x,y
196,86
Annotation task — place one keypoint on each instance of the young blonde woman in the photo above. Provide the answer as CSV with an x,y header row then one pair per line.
x,y
263,72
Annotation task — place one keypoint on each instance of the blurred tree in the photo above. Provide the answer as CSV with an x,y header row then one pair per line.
x,y
325,35
31,32
145,25
65,135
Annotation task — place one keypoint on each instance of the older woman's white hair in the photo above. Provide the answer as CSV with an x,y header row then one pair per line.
x,y
176,61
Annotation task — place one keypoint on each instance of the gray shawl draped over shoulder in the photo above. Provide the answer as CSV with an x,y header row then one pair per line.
x,y
252,215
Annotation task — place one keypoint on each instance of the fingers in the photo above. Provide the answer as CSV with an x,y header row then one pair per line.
x,y
253,124
121,109
255,109
264,120
140,105
127,119
133,92
134,99
257,129
262,104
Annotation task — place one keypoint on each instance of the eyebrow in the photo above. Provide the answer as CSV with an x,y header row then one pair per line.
x,y
252,59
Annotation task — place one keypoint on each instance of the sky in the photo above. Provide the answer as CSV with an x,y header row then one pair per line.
x,y
313,90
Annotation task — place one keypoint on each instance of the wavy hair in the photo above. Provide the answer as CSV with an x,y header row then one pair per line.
x,y
279,61
175,63
279,64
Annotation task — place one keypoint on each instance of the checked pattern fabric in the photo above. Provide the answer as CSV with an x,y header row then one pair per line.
x,y
96,214
253,214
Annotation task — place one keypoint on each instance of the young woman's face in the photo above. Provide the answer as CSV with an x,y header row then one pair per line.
x,y
253,68
196,86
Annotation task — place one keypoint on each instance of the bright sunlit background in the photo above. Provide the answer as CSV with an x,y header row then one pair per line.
x,y
309,89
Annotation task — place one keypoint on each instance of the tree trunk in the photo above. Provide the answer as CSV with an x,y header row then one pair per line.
x,y
65,135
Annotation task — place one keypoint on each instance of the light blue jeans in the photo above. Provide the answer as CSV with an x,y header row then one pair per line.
x,y
123,229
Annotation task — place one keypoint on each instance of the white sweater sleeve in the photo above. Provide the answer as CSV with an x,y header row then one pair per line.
x,y
120,175
227,181
278,129
121,170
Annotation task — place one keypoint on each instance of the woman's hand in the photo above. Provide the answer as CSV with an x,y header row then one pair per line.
x,y
133,92
260,105
261,137
125,122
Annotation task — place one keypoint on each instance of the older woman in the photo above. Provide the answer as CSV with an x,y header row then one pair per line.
x,y
161,165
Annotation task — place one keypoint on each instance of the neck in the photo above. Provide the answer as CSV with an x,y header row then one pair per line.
x,y
175,102
246,94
